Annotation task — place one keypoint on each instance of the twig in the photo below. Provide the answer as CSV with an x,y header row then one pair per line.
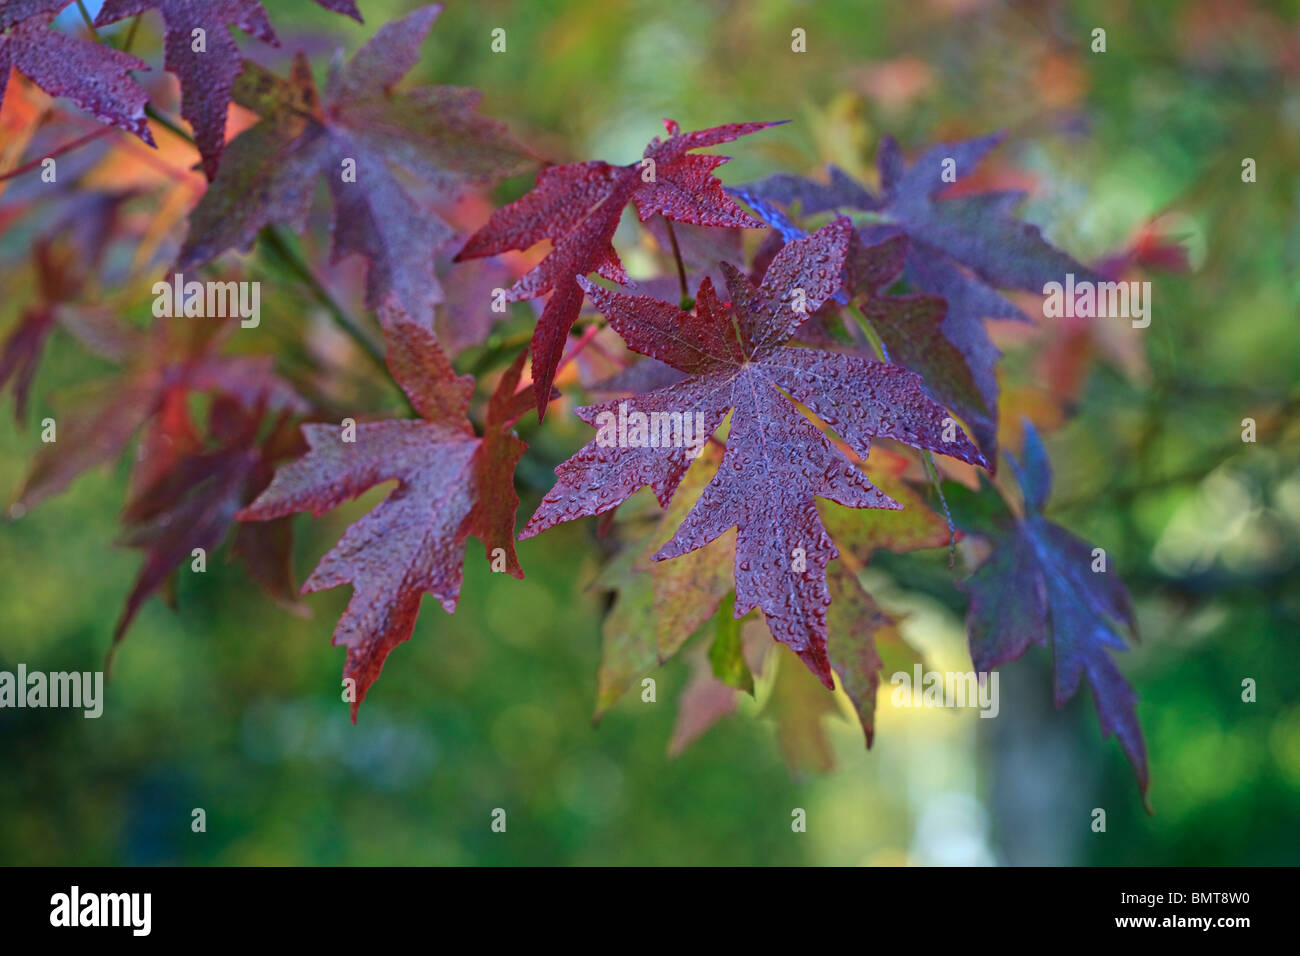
x,y
59,151
1115,493
275,240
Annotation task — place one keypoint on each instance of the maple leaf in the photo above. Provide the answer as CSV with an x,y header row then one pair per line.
x,y
689,589
1038,584
977,230
269,171
207,76
706,699
798,706
642,376
726,650
21,354
94,76
157,376
703,702
65,259
345,7
627,648
777,461
914,333
911,327
960,248
451,483
854,621
862,531
660,604
190,502
862,638
1151,249
577,206
463,319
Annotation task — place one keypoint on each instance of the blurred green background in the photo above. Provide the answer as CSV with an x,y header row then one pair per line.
x,y
232,705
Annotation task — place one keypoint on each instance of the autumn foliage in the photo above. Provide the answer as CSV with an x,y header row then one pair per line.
x,y
829,334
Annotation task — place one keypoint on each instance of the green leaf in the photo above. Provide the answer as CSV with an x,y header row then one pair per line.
x,y
725,653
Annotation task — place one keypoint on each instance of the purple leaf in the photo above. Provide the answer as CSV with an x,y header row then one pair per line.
x,y
1038,584
92,75
361,126
947,236
776,461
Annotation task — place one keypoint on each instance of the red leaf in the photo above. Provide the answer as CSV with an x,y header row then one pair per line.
x,y
191,503
577,207
22,353
777,461
451,484
64,259
104,422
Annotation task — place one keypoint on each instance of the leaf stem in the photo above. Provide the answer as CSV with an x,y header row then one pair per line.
x,y
868,330
274,240
170,125
868,218
497,348
933,473
130,33
681,267
85,15
587,336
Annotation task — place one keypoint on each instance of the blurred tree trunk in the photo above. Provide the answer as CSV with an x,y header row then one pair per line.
x,y
1040,775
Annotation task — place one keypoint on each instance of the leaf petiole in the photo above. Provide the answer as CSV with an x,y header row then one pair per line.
x,y
869,331
681,268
